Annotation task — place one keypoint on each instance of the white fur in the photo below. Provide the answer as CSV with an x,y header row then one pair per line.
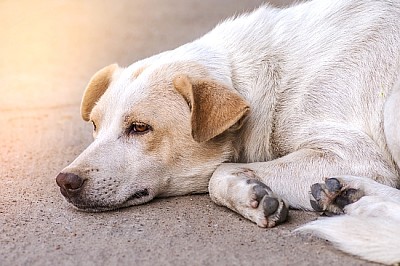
x,y
392,119
319,78
369,229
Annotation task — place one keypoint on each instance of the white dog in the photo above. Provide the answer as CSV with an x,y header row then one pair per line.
x,y
256,112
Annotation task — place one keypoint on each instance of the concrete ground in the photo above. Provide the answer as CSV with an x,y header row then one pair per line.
x,y
49,50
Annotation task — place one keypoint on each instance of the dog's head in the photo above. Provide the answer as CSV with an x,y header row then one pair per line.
x,y
159,130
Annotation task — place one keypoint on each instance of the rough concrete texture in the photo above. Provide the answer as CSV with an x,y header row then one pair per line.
x,y
49,50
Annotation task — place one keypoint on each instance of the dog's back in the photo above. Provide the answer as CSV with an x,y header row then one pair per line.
x,y
303,62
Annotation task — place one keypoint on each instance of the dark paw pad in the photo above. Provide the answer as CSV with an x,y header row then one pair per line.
x,y
260,190
275,211
270,205
271,210
332,196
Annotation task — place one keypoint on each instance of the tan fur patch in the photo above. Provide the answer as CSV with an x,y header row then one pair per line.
x,y
184,87
215,107
98,84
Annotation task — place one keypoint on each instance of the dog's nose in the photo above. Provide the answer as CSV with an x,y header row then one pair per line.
x,y
69,181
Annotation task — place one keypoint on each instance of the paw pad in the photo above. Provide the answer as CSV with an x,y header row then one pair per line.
x,y
332,196
259,191
270,208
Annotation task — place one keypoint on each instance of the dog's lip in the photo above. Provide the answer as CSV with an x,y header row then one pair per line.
x,y
64,192
90,207
139,194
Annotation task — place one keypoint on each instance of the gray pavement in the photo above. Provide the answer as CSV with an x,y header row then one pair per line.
x,y
49,50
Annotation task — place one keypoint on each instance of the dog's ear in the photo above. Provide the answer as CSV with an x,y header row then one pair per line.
x,y
214,107
98,84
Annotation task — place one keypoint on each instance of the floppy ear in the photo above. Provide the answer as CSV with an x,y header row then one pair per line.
x,y
215,107
98,84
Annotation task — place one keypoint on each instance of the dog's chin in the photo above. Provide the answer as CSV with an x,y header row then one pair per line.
x,y
139,197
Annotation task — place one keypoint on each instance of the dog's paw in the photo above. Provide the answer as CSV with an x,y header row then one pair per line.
x,y
264,207
332,196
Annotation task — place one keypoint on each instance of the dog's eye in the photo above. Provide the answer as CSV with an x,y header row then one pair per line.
x,y
94,126
138,128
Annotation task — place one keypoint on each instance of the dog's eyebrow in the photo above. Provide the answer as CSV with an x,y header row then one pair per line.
x,y
128,119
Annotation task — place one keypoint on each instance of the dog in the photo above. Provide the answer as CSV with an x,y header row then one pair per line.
x,y
277,108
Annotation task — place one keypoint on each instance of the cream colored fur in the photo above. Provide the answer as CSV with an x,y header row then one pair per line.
x,y
370,227
282,97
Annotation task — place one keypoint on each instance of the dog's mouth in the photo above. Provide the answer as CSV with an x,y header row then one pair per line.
x,y
139,194
137,198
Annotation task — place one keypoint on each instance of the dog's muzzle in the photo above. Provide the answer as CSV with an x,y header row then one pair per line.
x,y
72,188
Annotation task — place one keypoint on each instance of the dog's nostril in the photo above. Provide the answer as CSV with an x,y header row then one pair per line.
x,y
69,181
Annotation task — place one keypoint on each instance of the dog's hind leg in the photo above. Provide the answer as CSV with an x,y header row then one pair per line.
x,y
370,226
336,193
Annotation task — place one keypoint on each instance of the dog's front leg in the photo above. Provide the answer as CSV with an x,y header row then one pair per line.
x,y
243,187
247,188
240,190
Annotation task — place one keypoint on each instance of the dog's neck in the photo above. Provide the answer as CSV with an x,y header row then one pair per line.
x,y
252,74
265,80
265,76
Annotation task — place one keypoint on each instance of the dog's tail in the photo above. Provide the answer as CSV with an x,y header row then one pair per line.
x,y
375,237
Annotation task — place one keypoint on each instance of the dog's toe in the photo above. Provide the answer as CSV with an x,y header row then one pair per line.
x,y
267,209
270,205
332,196
259,191
333,185
276,210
